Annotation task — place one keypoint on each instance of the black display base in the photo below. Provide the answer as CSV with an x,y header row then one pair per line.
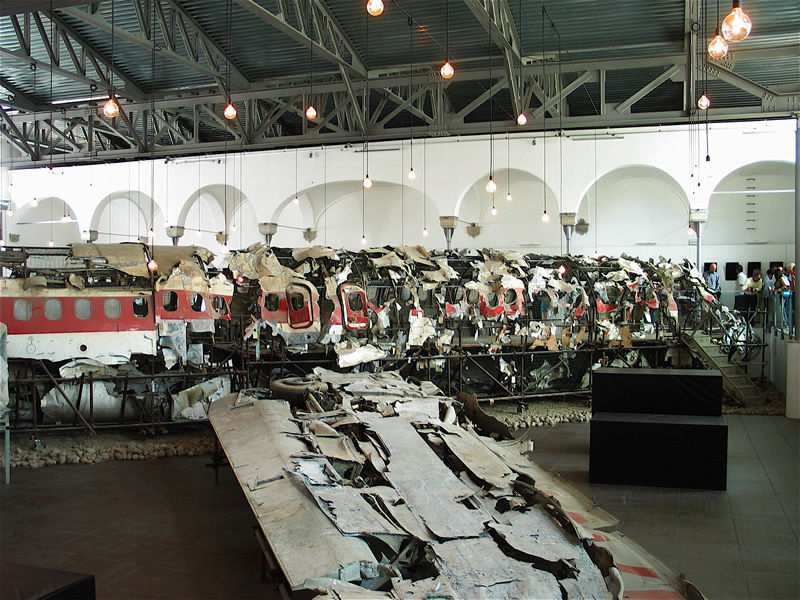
x,y
659,450
657,391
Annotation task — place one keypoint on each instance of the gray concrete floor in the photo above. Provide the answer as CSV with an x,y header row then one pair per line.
x,y
162,529
145,529
738,544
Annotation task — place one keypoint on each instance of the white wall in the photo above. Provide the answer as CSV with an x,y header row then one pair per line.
x,y
634,187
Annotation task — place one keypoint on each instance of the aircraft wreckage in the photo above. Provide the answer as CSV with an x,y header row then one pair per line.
x,y
366,485
138,333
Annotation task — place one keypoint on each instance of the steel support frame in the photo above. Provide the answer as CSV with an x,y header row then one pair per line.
x,y
341,116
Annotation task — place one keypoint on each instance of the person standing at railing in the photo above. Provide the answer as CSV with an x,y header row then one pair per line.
x,y
711,277
766,295
752,289
789,306
783,298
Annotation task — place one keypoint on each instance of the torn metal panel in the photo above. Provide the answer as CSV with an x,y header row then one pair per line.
x,y
351,512
478,569
535,537
431,489
254,440
479,460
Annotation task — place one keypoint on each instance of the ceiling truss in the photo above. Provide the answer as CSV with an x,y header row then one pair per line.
x,y
353,105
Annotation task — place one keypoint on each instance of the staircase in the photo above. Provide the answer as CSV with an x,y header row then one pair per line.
x,y
735,381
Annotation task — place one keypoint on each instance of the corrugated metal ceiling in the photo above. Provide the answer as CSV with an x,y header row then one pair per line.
x,y
588,31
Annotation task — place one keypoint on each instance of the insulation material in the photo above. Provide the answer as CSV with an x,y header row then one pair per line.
x,y
314,252
421,329
351,354
192,403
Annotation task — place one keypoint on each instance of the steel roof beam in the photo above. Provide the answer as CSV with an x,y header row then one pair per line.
x,y
625,105
614,119
338,45
20,99
141,40
495,16
19,140
99,62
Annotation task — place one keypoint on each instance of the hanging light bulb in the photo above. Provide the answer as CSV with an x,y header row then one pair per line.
x,y
152,265
111,108
229,112
150,235
225,250
233,227
718,47
522,119
703,102
509,197
296,200
311,112
412,174
494,211
85,235
363,240
690,231
367,182
375,7
197,233
35,202
10,212
66,219
737,24
562,270
447,70
491,186
545,217
425,232
50,243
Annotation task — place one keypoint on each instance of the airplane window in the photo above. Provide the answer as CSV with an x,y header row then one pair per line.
x,y
112,308
22,309
355,302
473,296
510,297
220,306
170,301
297,301
140,307
272,302
198,303
83,308
52,309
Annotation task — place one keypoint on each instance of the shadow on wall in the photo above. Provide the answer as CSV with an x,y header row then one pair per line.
x,y
127,215
634,206
753,205
518,223
392,214
53,219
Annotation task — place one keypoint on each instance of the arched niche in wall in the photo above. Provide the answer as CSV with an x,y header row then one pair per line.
x,y
53,219
205,212
393,214
754,204
635,205
127,215
517,224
